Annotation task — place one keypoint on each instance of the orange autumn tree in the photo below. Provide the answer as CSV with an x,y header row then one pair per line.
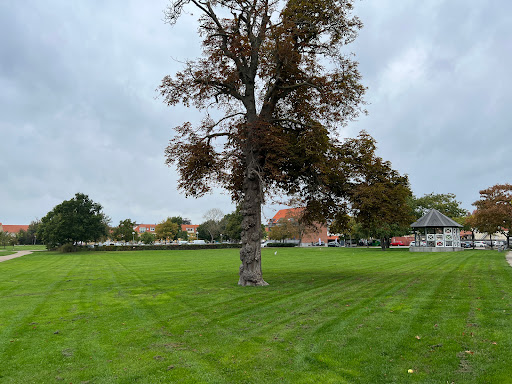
x,y
284,83
494,210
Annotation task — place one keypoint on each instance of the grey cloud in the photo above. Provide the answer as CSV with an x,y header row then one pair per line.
x,y
78,107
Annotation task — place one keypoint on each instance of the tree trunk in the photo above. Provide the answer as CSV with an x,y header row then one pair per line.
x,y
250,254
383,243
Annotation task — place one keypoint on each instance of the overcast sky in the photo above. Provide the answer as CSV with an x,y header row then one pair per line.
x,y
79,113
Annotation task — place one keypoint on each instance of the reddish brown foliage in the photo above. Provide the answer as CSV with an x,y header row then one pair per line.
x,y
493,210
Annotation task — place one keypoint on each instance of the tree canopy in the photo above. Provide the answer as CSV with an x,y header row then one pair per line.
x,y
493,210
76,220
124,231
231,225
284,82
445,203
380,195
167,229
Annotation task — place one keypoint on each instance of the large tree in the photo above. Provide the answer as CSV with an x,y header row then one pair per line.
x,y
76,220
284,84
380,195
446,203
494,210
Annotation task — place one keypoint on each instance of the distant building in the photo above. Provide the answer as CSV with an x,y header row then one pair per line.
x,y
191,230
310,236
13,229
141,228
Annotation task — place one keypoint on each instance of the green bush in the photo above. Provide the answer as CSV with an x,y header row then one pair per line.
x,y
167,247
67,248
281,245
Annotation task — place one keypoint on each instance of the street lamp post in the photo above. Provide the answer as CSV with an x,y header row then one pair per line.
x,y
221,238
133,237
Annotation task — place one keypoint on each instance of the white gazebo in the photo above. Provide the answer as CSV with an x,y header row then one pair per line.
x,y
435,232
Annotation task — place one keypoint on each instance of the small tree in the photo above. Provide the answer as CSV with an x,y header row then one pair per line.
x,y
32,231
212,225
494,211
181,234
166,230
283,229
124,231
5,238
231,225
22,237
76,220
147,238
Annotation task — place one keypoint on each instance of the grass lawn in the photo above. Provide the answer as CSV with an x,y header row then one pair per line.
x,y
329,316
29,247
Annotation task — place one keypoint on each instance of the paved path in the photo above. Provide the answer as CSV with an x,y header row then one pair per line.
x,y
14,255
509,258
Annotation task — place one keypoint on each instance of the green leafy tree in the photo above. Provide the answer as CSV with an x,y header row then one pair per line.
x,y
264,67
202,232
5,238
147,238
73,221
446,203
124,231
32,231
181,234
380,196
22,237
166,230
231,226
283,229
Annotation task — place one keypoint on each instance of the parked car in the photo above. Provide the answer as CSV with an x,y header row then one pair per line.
x,y
398,244
333,244
480,244
466,244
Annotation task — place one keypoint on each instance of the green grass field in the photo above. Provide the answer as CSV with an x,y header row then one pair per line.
x,y
328,316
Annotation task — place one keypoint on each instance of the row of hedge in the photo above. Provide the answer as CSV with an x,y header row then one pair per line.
x,y
169,247
281,245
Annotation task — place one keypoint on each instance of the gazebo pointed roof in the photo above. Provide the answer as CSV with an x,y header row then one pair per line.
x,y
434,218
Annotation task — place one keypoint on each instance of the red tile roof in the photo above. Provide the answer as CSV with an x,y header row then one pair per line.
x,y
14,228
284,213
